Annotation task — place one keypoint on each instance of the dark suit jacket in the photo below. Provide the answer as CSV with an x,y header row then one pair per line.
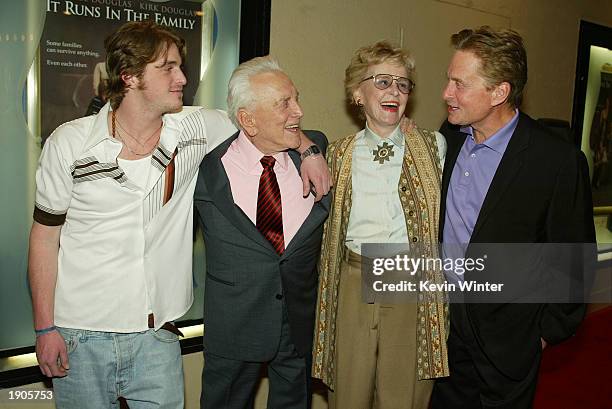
x,y
247,282
539,194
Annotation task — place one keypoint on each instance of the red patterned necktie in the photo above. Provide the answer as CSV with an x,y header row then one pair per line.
x,y
269,210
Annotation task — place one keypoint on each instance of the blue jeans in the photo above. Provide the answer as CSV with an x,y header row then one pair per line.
x,y
145,368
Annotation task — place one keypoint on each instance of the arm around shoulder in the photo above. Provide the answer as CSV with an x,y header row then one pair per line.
x,y
218,127
318,138
314,170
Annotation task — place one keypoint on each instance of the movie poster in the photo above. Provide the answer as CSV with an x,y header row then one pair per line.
x,y
72,49
600,142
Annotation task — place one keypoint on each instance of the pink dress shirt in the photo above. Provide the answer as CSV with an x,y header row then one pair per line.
x,y
241,163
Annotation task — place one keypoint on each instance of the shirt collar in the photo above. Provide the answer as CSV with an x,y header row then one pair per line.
x,y
500,139
99,132
251,156
170,132
372,139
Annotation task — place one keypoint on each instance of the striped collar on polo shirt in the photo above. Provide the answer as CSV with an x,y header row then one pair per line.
x,y
99,132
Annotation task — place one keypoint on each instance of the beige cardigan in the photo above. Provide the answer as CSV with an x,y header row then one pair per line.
x,y
419,191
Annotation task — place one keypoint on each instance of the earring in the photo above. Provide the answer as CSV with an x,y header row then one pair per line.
x,y
358,102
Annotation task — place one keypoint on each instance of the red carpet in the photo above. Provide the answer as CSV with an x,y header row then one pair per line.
x,y
577,374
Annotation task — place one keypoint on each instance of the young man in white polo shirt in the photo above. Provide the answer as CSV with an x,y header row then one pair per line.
x,y
110,247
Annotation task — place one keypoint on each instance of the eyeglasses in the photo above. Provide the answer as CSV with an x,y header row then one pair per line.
x,y
384,81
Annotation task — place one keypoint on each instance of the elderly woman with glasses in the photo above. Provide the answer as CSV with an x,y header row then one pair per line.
x,y
387,190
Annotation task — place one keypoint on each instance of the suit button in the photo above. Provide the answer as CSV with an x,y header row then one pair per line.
x,y
404,188
414,239
279,296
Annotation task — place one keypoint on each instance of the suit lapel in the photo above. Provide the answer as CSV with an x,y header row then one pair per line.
x,y
220,192
454,142
295,158
218,185
508,168
315,218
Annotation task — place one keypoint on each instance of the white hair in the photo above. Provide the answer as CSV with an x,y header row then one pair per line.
x,y
239,91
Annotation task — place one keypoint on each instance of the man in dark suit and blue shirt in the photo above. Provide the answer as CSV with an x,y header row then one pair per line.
x,y
506,180
263,239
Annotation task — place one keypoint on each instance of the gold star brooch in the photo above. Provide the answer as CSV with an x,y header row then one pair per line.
x,y
383,153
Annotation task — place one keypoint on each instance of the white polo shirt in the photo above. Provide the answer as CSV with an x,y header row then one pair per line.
x,y
124,251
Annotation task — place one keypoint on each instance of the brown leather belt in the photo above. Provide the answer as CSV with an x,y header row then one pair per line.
x,y
168,326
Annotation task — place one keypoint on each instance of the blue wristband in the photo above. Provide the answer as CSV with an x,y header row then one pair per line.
x,y
44,331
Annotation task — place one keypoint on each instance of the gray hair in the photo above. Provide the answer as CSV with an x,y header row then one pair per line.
x,y
239,91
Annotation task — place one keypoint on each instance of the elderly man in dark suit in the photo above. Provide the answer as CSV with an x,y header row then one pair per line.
x,y
263,239
505,180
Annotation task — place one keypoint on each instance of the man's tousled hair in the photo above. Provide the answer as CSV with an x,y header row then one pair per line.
x,y
130,49
502,57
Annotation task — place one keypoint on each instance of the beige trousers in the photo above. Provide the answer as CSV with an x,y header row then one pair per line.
x,y
375,350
